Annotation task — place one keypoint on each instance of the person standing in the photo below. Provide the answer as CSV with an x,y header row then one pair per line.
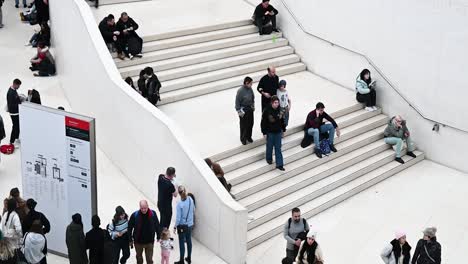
x,y
2,130
10,223
265,13
245,107
35,244
75,240
272,130
184,224
428,250
268,86
1,14
95,240
396,133
167,245
295,230
17,4
34,215
166,190
398,251
285,103
365,92
142,227
42,8
310,251
314,126
118,230
13,102
153,85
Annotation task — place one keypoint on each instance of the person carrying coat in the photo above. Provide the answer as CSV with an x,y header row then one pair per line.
x,y
398,251
428,250
396,133
75,240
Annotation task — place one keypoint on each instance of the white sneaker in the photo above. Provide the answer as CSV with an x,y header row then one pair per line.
x,y
368,108
375,108
130,56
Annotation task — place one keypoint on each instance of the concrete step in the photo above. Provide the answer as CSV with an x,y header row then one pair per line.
x,y
198,48
290,141
224,84
257,168
216,75
293,129
313,207
248,192
317,181
215,59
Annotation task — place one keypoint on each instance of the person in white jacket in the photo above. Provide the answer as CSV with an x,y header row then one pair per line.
x,y
11,224
34,245
398,251
365,91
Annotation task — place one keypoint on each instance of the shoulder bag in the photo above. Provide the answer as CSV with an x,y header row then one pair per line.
x,y
182,229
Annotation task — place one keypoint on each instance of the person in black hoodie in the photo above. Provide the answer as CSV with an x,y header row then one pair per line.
x,y
268,86
272,130
142,227
152,86
35,215
264,13
166,191
130,40
13,101
111,35
428,250
95,240
75,240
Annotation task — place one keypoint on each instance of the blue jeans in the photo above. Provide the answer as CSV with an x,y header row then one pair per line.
x,y
274,140
185,238
315,132
285,112
399,144
17,2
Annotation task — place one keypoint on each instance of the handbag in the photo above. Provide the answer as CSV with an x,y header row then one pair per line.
x,y
182,229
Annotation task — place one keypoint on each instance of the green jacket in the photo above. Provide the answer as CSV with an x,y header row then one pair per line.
x,y
392,131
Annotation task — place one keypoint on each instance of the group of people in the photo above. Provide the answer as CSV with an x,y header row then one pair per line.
x,y
148,85
38,13
121,36
302,246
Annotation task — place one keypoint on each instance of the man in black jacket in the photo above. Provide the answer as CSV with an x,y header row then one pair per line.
x,y
130,40
111,35
152,86
272,130
166,190
268,86
264,13
13,101
35,215
142,227
96,239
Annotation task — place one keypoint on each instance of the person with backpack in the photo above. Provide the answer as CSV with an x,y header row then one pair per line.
x,y
428,250
264,14
34,248
10,223
272,129
95,240
8,253
13,102
153,85
130,40
142,227
184,224
34,215
75,240
310,251
166,190
396,133
314,126
245,107
295,230
118,230
398,251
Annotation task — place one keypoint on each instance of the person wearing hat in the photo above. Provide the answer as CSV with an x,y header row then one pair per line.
x,y
35,215
285,103
398,251
428,250
75,240
118,230
310,251
7,250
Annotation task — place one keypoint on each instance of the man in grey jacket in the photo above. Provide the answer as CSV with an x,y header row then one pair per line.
x,y
397,132
295,231
245,107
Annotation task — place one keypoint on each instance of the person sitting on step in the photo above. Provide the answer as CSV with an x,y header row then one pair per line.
x,y
365,90
314,125
111,35
263,15
395,134
130,40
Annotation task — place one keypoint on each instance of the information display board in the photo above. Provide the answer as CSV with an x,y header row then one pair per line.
x,y
58,162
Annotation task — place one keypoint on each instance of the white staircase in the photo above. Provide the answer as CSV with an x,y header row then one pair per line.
x,y
202,61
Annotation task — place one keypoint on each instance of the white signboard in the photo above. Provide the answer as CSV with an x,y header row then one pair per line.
x,y
58,162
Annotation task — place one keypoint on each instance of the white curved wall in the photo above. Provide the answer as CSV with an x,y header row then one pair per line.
x,y
136,136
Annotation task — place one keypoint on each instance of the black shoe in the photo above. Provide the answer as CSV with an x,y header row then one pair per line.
x,y
318,153
411,154
16,6
250,140
25,5
244,142
179,262
281,168
400,160
276,30
332,148
269,162
189,260
229,187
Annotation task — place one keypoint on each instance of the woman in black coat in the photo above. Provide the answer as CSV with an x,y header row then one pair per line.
x,y
75,240
96,239
428,250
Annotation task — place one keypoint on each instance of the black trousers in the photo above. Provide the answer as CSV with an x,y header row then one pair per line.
x,y
260,22
166,216
246,124
15,131
368,99
120,245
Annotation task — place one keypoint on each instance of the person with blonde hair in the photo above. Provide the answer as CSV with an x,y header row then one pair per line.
x,y
167,244
184,224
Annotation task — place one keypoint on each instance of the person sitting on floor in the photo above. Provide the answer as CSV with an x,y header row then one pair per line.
x,y
130,40
263,15
43,61
218,171
395,134
111,35
42,36
365,91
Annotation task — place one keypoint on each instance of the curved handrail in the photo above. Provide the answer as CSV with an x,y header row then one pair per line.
x,y
370,62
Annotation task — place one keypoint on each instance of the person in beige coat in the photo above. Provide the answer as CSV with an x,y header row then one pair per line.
x,y
310,251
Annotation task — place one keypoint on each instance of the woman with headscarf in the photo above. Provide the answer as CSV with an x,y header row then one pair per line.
x,y
310,251
75,240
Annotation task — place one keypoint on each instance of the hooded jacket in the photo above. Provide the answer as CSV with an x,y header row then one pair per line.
x,y
76,244
35,247
433,248
392,131
361,86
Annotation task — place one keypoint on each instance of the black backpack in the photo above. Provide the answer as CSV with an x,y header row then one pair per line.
x,y
303,235
267,29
